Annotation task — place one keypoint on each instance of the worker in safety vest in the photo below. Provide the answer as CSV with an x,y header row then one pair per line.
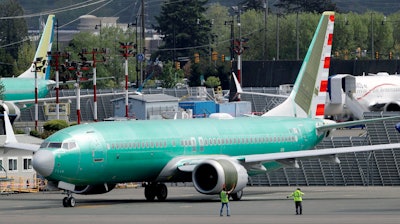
x,y
224,195
298,198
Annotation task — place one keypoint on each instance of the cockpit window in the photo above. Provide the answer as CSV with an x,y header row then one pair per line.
x,y
54,145
57,145
44,145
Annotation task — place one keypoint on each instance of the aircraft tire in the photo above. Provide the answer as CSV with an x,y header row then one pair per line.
x,y
71,202
65,202
150,192
162,192
237,196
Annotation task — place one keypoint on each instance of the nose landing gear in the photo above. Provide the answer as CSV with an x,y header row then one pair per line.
x,y
69,201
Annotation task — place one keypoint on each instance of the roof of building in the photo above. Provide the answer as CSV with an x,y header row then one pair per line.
x,y
150,98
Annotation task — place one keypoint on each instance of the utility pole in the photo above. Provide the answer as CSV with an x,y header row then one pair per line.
x,y
56,64
265,29
126,52
142,41
94,53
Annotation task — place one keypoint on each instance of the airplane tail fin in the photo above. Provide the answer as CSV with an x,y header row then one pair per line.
x,y
308,96
44,46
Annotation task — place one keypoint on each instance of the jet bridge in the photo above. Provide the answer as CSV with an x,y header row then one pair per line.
x,y
340,99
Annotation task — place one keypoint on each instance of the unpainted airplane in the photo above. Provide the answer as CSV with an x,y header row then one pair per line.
x,y
93,158
21,88
351,96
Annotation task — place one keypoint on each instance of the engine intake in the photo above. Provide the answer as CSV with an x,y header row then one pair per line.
x,y
210,176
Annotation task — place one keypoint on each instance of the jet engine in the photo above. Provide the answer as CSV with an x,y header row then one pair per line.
x,y
94,189
392,106
210,176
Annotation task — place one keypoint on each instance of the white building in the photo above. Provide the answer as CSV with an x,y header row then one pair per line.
x,y
17,164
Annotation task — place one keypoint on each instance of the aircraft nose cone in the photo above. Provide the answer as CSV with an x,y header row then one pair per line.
x,y
43,162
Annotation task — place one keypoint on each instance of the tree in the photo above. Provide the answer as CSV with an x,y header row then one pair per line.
x,y
184,28
109,38
12,31
314,6
212,82
170,76
257,5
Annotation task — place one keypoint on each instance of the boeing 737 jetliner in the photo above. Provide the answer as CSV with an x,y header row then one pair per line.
x,y
23,87
351,96
210,152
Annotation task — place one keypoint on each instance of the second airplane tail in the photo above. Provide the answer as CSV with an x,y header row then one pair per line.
x,y
308,96
44,46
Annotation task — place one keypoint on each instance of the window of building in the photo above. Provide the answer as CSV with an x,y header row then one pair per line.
x,y
2,169
12,164
27,164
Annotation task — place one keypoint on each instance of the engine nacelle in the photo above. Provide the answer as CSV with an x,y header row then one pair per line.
x,y
11,109
210,176
93,189
392,106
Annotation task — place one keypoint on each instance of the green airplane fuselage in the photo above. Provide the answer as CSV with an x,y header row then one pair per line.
x,y
23,88
118,152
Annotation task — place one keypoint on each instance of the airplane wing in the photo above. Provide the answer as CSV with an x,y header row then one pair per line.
x,y
254,162
53,99
239,90
257,158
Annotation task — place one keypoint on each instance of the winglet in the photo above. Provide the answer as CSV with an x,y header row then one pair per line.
x,y
11,140
10,136
239,89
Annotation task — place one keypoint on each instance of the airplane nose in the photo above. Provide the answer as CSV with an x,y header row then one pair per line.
x,y
43,162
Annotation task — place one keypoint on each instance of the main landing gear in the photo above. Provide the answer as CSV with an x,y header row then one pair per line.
x,y
237,196
69,201
152,190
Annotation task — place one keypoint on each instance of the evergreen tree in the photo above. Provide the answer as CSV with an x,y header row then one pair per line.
x,y
11,31
257,5
184,27
314,6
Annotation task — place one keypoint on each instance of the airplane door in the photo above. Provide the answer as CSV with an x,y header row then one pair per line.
x,y
98,152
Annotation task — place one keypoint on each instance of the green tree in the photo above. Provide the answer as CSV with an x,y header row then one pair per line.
x,y
184,27
212,82
170,76
315,6
12,31
109,38
253,5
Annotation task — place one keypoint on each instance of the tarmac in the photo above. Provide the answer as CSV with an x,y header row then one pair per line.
x,y
184,205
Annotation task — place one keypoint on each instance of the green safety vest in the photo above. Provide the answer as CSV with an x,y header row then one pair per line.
x,y
224,197
297,195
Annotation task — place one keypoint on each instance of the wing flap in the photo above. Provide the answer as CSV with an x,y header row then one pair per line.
x,y
259,158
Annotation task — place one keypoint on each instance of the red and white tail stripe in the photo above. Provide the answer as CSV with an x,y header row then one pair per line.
x,y
324,69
